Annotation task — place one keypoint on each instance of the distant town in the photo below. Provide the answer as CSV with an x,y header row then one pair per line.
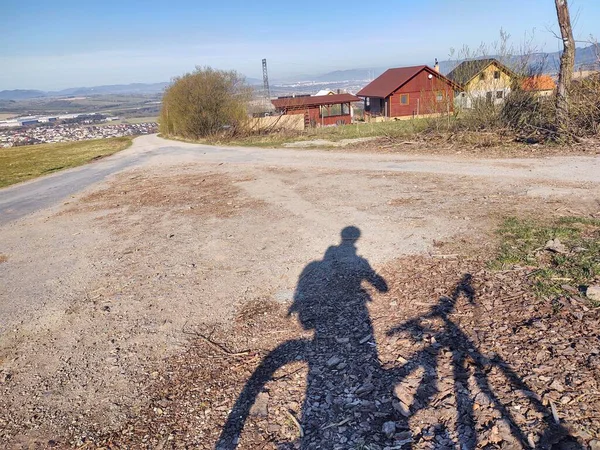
x,y
30,130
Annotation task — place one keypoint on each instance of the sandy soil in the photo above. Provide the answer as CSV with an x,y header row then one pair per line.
x,y
98,291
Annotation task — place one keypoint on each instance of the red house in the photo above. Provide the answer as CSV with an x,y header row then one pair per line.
x,y
409,92
319,110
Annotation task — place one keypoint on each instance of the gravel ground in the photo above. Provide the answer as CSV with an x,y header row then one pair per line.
x,y
106,296
434,354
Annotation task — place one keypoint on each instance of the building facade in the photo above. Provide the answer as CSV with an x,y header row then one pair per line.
x,y
406,92
482,80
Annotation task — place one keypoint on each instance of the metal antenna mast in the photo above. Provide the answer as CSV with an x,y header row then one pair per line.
x,y
266,80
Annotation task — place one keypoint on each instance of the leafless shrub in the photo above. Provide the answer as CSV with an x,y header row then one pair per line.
x,y
529,115
584,106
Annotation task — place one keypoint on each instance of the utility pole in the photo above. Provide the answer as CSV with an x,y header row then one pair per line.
x,y
267,92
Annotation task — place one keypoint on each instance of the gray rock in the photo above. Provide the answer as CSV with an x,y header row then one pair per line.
x,y
401,408
273,428
482,399
403,395
260,407
554,245
333,361
557,386
593,293
389,428
366,388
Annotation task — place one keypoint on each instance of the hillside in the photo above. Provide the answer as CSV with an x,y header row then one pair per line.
x,y
21,94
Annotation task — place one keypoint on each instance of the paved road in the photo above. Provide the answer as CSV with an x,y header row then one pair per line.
x,y
25,198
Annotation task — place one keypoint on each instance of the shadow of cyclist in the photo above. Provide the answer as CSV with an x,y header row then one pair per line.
x,y
346,384
349,399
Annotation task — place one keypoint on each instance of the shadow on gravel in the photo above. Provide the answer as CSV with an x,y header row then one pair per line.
x,y
353,401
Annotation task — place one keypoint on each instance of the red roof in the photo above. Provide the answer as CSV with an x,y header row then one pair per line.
x,y
318,100
538,83
392,79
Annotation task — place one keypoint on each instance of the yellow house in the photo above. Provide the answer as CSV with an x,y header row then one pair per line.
x,y
482,80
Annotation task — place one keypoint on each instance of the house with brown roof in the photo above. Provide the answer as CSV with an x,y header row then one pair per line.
x,y
482,80
319,110
408,92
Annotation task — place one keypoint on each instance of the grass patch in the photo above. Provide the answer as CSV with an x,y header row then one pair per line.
x,y
554,274
392,129
26,162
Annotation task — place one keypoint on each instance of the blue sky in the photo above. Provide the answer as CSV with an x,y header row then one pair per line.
x,y
64,43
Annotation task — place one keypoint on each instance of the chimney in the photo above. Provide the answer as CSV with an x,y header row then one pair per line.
x,y
436,66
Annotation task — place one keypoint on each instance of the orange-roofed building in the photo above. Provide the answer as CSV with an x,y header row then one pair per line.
x,y
540,84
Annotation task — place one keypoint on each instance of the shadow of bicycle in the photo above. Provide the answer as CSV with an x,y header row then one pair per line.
x,y
353,400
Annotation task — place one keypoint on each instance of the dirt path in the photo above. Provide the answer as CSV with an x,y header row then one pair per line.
x,y
101,283
25,198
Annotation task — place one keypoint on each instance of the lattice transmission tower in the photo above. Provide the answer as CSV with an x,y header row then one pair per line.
x,y
267,92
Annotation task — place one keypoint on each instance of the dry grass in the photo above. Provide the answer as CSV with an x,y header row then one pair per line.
x,y
401,129
3,258
18,164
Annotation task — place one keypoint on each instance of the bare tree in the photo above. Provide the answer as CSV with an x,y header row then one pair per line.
x,y
567,65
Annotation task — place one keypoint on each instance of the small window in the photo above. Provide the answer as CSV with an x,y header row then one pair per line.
x,y
404,99
368,101
482,76
488,96
497,75
439,96
500,94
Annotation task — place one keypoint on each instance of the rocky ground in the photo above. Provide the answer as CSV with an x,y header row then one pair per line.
x,y
188,304
451,355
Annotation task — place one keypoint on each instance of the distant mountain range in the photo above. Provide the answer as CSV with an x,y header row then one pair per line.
x,y
584,57
135,88
21,94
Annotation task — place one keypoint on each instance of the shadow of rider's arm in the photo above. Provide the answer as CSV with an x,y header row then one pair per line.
x,y
376,280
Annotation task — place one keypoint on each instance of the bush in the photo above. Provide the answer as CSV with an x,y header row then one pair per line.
x,y
533,117
584,106
529,115
205,103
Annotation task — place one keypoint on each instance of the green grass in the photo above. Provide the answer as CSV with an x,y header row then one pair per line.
x,y
26,162
523,243
392,129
